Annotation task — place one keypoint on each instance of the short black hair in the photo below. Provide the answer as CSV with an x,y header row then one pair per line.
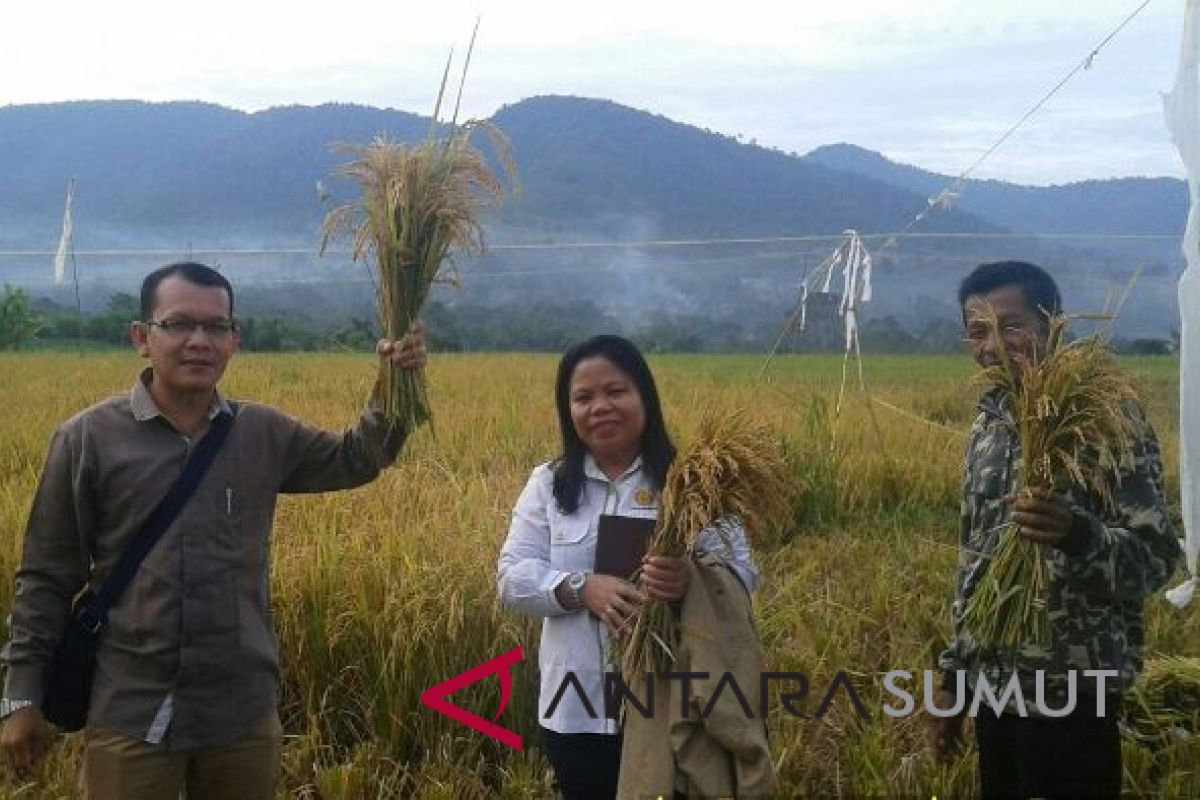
x,y
657,451
1039,289
190,271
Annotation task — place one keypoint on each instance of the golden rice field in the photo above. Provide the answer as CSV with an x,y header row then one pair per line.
x,y
385,591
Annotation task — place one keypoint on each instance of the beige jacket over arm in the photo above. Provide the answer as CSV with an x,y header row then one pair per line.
x,y
725,753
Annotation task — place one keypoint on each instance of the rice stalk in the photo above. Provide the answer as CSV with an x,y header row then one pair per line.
x,y
1165,703
1069,407
419,205
733,473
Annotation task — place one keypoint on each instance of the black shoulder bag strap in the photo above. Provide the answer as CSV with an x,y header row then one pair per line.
x,y
93,614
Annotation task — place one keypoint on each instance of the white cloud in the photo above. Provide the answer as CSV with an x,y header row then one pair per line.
x,y
934,80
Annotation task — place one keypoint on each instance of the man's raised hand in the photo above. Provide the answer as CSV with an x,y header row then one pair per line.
x,y
407,353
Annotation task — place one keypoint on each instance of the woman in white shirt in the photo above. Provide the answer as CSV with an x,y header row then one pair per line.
x,y
615,455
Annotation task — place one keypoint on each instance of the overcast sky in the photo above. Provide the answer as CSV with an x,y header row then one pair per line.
x,y
932,83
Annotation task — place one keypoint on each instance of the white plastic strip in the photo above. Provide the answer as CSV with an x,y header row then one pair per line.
x,y
64,242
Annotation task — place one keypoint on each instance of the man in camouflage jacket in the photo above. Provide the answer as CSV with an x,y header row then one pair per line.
x,y
1101,566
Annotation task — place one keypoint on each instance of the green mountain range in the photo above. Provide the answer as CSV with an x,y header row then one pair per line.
x,y
172,173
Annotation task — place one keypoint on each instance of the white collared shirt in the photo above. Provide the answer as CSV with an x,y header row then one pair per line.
x,y
545,545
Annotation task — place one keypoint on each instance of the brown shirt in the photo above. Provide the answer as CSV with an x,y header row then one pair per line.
x,y
194,625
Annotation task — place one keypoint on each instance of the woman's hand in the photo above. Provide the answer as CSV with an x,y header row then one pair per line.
x,y
613,601
664,578
409,352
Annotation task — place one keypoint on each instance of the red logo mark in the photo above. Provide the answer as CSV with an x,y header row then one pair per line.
x,y
435,697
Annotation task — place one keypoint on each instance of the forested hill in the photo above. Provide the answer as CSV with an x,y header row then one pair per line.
x,y
171,179
173,173
1121,206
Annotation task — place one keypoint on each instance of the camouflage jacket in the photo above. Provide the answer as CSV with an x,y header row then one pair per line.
x,y
1099,575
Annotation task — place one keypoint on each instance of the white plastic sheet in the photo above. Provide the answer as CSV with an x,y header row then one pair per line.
x,y
1182,108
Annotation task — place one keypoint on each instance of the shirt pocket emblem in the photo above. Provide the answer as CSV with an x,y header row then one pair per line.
x,y
644,497
568,529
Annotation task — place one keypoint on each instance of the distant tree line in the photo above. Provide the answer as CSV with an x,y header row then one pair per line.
x,y
19,324
539,326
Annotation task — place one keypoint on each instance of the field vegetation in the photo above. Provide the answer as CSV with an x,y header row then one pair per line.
x,y
383,592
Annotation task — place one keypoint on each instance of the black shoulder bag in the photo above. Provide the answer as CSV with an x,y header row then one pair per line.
x,y
67,681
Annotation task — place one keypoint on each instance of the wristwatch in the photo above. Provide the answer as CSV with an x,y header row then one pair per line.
x,y
9,707
575,584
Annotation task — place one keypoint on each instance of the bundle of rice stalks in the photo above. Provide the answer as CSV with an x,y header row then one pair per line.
x,y
1069,407
1165,704
733,474
419,204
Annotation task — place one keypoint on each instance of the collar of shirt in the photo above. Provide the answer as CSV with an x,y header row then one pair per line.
x,y
592,470
144,408
994,402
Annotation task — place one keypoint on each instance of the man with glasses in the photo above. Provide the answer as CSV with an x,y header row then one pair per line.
x,y
187,673
1101,566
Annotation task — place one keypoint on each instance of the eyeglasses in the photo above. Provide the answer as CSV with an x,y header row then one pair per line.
x,y
1011,334
183,329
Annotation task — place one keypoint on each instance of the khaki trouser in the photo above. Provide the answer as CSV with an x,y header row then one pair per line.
x,y
119,767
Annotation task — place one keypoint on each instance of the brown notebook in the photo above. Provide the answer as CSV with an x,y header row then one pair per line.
x,y
620,544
